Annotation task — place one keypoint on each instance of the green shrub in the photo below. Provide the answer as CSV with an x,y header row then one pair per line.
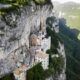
x,y
52,50
38,73
8,77
10,9
58,64
40,1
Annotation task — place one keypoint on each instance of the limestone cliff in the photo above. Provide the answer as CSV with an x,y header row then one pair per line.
x,y
15,28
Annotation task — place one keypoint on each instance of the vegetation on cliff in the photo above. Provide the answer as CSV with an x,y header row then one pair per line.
x,y
55,68
16,4
56,63
55,37
22,2
52,50
38,73
8,77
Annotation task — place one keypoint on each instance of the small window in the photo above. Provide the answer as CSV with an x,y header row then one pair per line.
x,y
41,49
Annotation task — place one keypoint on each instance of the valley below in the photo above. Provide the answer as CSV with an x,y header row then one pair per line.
x,y
70,11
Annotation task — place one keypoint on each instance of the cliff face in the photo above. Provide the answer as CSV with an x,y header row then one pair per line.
x,y
15,29
62,52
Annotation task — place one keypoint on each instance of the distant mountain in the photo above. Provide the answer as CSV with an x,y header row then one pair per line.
x,y
67,4
70,4
56,3
71,12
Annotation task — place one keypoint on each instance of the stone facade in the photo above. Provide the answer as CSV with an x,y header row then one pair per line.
x,y
43,58
20,73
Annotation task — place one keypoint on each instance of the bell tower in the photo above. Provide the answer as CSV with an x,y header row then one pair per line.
x,y
42,24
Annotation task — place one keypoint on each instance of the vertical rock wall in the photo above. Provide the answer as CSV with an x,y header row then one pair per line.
x,y
14,38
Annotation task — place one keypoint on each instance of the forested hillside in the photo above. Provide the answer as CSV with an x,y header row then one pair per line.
x,y
72,46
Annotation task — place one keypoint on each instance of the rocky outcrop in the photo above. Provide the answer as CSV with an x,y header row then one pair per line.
x,y
62,75
53,22
61,50
54,25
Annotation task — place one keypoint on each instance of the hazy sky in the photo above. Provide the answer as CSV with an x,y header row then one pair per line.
x,y
62,1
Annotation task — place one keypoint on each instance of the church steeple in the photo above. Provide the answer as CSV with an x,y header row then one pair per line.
x,y
42,24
